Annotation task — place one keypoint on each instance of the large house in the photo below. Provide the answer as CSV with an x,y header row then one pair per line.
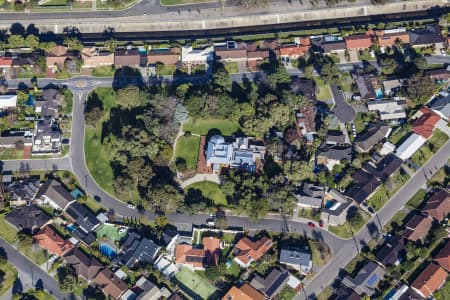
x,y
432,278
392,253
191,57
335,211
363,186
371,137
231,52
331,155
58,57
128,58
358,41
111,285
243,153
430,36
27,219
310,195
272,284
425,124
197,258
366,281
330,44
297,258
53,193
85,266
392,37
84,220
417,227
50,240
168,57
388,110
94,58
247,251
438,205
294,51
20,192
366,86
138,251
305,88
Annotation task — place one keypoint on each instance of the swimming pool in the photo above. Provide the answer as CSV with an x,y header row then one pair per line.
x,y
329,204
379,93
71,227
107,250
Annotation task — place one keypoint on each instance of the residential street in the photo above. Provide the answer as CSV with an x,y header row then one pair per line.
x,y
343,111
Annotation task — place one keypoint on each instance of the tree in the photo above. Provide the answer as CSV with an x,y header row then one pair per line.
x,y
287,293
330,73
181,164
73,43
16,41
280,76
388,65
4,124
421,63
93,116
250,3
32,41
309,71
222,81
47,46
129,97
111,45
67,279
420,88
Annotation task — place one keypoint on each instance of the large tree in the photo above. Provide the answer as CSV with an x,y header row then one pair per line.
x,y
420,88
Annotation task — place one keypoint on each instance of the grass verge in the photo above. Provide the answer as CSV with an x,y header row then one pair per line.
x,y
9,276
211,191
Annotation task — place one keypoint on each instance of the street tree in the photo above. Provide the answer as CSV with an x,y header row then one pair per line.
x,y
32,41
16,41
111,45
73,43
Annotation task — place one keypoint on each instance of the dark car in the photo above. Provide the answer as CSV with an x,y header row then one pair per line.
x,y
311,225
321,223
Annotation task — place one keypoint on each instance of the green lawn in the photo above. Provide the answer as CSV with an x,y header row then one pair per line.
x,y
308,213
202,126
55,3
39,295
345,230
91,204
231,67
182,2
8,232
395,222
10,153
211,191
188,148
444,292
106,71
37,256
111,232
432,146
417,199
324,89
398,134
195,283
325,294
317,258
165,70
383,193
9,276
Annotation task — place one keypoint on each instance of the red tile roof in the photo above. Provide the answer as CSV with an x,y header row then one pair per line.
x,y
438,205
6,61
245,292
209,255
390,39
252,251
417,228
430,280
358,41
51,241
211,246
111,285
443,257
424,125
294,50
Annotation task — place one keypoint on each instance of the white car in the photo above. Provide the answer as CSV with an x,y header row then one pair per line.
x,y
131,206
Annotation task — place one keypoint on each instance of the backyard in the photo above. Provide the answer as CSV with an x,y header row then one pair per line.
x,y
211,191
324,89
111,231
432,146
187,149
195,284
203,126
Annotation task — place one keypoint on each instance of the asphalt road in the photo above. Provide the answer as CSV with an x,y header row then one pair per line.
x,y
343,111
30,275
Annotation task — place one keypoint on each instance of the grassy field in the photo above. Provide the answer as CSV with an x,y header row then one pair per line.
x,y
211,191
383,194
324,89
103,72
432,146
202,126
166,70
8,232
9,276
187,148
10,153
196,283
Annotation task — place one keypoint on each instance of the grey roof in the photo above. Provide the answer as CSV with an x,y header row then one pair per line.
x,y
295,257
366,280
272,284
23,190
328,44
430,35
304,87
335,152
335,138
138,251
55,191
85,219
9,138
365,87
442,105
313,190
373,135
392,251
27,218
384,168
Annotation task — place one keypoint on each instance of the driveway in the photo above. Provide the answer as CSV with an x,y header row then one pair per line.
x,y
343,111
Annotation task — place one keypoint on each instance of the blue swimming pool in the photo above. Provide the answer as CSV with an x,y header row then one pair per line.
x,y
107,250
329,203
71,227
379,93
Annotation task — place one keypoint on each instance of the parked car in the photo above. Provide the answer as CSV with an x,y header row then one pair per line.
x,y
321,223
132,206
311,225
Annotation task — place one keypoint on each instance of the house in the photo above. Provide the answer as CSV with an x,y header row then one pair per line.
x,y
16,139
335,210
438,75
363,186
199,258
441,105
299,49
410,146
20,192
388,110
127,58
429,280
427,37
138,251
305,122
111,285
358,41
192,57
245,292
392,253
85,266
417,227
28,219
392,86
230,52
335,137
331,44
272,284
392,37
165,265
305,88
82,216
247,251
53,193
365,85
26,60
169,57
310,195
52,242
57,56
367,279
5,62
94,58
297,258
143,290
384,168
257,56
47,134
443,256
331,155
371,137
425,123
8,102
438,205
345,293
243,153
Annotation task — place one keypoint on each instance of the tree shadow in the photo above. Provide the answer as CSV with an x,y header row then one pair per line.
x,y
127,76
17,29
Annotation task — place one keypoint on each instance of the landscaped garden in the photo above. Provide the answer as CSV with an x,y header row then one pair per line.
x,y
112,232
195,283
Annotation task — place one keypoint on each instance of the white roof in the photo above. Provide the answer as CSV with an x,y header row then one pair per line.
x,y
189,54
388,109
387,148
410,146
121,274
293,281
8,101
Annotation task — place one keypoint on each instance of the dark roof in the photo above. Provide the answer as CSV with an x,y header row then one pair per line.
x,y
21,190
127,58
25,59
335,137
384,168
363,186
55,191
84,265
272,284
335,152
304,87
366,280
168,235
430,35
393,251
372,136
327,45
438,205
27,218
138,251
82,216
87,238
365,86
313,190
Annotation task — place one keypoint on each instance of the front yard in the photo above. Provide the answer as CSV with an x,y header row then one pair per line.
x,y
324,89
187,149
211,191
353,226
388,189
432,146
9,274
203,126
